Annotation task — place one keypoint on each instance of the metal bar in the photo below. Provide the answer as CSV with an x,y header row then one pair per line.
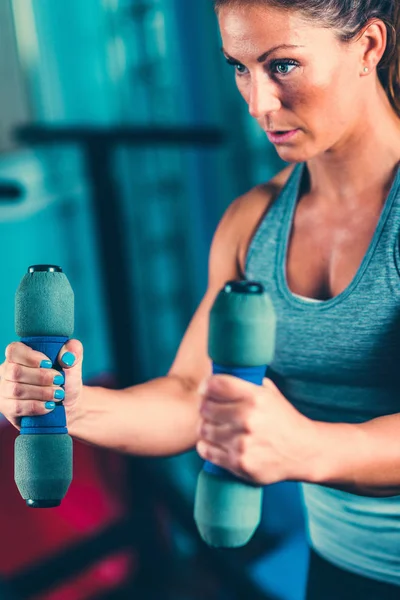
x,y
133,136
115,271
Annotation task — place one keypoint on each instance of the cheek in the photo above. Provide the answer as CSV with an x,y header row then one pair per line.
x,y
322,106
328,99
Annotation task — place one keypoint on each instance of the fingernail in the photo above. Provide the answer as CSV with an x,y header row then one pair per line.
x,y
59,394
50,405
59,380
46,364
68,359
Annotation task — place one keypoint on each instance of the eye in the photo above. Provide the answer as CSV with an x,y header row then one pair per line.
x,y
280,66
238,66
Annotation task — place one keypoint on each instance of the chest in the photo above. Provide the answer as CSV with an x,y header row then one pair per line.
x,y
326,247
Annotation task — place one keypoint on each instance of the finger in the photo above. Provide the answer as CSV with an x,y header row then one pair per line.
x,y
23,391
25,408
30,408
71,354
212,453
218,413
223,458
219,435
18,352
227,388
19,373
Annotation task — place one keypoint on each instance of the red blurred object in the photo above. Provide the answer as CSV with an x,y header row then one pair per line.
x,y
103,577
97,498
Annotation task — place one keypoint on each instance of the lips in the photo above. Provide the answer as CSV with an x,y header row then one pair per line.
x,y
277,137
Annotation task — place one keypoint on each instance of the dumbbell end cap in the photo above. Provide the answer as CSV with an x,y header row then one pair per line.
x,y
223,537
44,268
42,503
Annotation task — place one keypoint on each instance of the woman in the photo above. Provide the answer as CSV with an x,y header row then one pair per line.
x,y
323,236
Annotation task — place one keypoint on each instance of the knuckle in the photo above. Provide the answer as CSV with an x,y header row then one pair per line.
x,y
45,378
17,390
11,349
19,409
15,371
29,408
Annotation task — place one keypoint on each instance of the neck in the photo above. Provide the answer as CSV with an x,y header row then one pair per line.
x,y
363,163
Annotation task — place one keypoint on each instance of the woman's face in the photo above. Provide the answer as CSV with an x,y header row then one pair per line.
x,y
313,88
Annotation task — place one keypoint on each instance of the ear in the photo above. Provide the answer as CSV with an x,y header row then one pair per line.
x,y
373,42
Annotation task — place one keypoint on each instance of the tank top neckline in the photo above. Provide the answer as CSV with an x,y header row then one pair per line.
x,y
292,189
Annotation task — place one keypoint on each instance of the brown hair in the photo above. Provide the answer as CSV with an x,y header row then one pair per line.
x,y
348,18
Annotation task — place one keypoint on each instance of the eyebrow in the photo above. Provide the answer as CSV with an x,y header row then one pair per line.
x,y
264,56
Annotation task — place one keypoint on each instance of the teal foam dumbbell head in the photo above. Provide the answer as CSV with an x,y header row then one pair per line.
x,y
242,330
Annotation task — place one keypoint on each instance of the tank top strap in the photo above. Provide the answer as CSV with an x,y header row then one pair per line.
x,y
268,237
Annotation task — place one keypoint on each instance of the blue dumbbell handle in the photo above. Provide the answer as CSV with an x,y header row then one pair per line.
x,y
251,374
55,421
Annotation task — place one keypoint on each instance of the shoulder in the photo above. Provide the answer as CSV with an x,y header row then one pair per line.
x,y
227,257
248,210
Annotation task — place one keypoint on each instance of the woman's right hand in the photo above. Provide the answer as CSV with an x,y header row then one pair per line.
x,y
27,383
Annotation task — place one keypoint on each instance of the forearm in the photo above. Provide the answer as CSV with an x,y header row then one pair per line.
x,y
157,418
362,459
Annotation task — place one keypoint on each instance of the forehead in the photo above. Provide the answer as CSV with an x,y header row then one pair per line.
x,y
254,29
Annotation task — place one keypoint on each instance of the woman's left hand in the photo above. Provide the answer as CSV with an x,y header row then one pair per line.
x,y
255,432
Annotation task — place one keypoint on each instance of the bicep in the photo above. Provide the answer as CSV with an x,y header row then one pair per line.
x,y
192,363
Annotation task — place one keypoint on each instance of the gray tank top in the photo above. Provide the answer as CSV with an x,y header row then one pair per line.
x,y
338,361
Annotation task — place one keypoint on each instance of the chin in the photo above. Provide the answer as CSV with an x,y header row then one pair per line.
x,y
293,155
298,153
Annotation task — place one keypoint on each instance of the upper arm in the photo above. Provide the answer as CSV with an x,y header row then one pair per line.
x,y
192,362
226,262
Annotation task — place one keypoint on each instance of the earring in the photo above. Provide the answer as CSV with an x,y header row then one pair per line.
x,y
366,69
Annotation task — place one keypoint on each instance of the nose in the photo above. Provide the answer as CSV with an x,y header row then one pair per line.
x,y
263,98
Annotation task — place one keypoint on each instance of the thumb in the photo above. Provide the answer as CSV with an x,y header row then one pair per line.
x,y
70,358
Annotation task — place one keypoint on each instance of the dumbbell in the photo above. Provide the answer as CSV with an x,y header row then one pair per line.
x,y
242,329
44,320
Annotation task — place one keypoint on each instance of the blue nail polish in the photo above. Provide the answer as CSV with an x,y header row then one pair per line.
x,y
68,359
46,364
58,380
59,394
50,405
